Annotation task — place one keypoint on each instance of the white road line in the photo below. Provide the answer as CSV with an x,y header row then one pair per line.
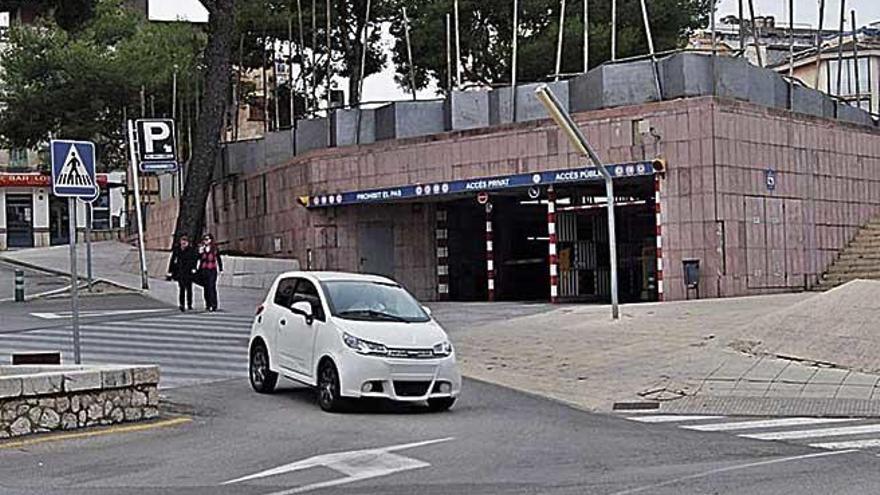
x,y
816,433
768,423
96,313
357,465
852,444
653,487
670,418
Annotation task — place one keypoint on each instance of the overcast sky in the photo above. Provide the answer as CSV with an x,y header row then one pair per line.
x,y
807,11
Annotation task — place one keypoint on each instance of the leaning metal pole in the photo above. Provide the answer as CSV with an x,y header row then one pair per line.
x,y
840,46
579,141
819,41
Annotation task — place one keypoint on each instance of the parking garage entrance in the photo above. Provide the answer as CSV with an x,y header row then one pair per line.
x,y
536,237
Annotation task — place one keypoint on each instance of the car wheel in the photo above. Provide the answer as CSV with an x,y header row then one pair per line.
x,y
263,379
442,404
329,395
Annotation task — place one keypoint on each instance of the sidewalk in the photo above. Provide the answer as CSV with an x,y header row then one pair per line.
x,y
677,354
109,262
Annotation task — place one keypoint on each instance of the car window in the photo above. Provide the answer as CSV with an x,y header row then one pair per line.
x,y
284,292
306,291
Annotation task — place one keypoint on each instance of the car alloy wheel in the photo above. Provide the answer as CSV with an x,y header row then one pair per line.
x,y
328,388
263,379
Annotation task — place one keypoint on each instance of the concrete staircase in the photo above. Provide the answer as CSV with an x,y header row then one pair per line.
x,y
860,259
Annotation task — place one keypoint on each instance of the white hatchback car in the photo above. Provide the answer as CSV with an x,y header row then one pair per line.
x,y
351,336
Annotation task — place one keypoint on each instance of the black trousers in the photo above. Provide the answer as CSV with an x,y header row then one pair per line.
x,y
185,293
211,289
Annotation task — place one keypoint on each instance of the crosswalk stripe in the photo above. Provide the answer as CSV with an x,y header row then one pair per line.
x,y
769,423
213,319
670,418
117,330
121,354
132,343
98,335
139,326
815,433
120,333
851,444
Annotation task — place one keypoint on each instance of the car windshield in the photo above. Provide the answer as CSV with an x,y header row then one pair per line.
x,y
372,301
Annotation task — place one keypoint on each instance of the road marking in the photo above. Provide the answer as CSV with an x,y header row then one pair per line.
x,y
852,444
739,467
670,418
357,465
822,432
768,423
96,313
167,423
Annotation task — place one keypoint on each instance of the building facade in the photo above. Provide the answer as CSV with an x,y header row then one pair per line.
x,y
713,171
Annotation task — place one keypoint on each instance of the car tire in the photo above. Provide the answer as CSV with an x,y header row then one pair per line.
x,y
441,404
329,393
262,378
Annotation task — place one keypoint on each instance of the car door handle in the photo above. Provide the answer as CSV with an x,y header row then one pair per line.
x,y
283,322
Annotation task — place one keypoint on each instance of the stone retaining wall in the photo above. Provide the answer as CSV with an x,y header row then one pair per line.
x,y
50,398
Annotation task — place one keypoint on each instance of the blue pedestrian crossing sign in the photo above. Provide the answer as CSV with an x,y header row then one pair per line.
x,y
73,169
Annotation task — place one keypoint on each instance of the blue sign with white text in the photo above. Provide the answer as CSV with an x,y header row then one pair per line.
x,y
73,169
439,189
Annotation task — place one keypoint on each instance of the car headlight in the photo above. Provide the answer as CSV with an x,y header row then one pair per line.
x,y
443,349
362,346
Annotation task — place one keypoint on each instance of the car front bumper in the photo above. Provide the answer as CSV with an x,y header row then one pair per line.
x,y
406,380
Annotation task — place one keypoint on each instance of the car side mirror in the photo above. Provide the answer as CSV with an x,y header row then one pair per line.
x,y
304,309
427,310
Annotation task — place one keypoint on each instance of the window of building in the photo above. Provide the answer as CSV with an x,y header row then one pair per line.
x,y
847,71
18,158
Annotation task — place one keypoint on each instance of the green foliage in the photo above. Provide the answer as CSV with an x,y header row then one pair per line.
x,y
82,84
486,34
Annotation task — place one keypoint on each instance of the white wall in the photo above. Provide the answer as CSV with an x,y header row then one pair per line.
x,y
41,207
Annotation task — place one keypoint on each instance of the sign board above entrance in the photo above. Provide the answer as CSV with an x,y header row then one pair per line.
x,y
441,189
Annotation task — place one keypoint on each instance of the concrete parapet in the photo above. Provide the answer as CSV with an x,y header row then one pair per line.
x,y
344,125
312,134
405,119
467,110
614,85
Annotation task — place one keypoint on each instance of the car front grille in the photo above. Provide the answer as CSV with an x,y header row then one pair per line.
x,y
411,353
411,389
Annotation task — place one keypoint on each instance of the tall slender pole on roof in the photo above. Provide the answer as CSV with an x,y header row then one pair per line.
x,y
302,58
289,62
329,69
559,40
855,39
314,63
514,60
742,31
755,34
819,40
712,27
412,70
651,48
613,30
790,54
840,47
364,56
448,55
457,47
586,36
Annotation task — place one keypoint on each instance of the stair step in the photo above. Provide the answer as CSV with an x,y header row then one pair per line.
x,y
857,262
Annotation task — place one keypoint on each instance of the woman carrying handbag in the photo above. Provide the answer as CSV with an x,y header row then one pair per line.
x,y
210,266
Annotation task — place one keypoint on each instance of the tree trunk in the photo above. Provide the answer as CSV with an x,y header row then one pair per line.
x,y
191,218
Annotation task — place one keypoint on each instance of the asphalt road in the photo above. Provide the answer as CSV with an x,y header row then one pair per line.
x,y
493,441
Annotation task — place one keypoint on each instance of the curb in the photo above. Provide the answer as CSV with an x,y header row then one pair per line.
x,y
52,271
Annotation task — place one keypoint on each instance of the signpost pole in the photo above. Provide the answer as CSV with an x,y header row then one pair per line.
x,y
74,281
89,245
145,284
577,138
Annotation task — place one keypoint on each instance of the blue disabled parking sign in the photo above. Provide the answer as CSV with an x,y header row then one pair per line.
x,y
73,169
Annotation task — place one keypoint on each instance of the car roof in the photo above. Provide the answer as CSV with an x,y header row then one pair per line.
x,y
328,276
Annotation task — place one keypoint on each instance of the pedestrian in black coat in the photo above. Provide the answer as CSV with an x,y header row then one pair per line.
x,y
182,268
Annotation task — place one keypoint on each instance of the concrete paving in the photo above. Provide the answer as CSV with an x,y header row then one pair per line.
x,y
109,264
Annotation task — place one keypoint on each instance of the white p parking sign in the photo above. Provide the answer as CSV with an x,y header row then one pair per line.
x,y
157,149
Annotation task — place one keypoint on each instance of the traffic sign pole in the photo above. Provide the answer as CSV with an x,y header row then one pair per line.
x,y
145,284
89,245
74,281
